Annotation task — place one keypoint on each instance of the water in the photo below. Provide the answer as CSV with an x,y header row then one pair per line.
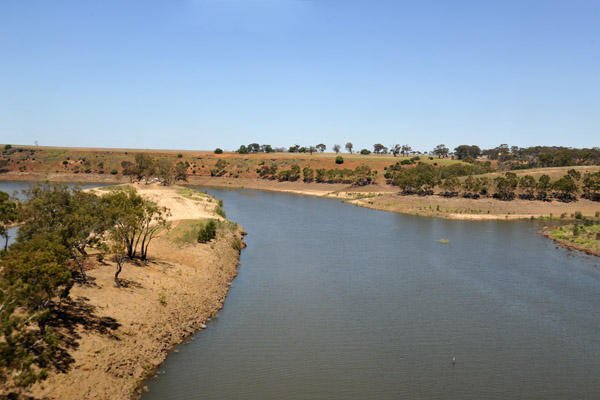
x,y
339,302
14,189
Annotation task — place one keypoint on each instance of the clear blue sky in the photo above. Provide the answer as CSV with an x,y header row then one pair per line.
x,y
200,74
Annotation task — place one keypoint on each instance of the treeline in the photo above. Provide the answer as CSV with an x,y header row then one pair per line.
x,y
145,168
359,176
59,227
542,156
423,179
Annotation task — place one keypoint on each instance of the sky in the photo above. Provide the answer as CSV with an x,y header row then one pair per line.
x,y
201,74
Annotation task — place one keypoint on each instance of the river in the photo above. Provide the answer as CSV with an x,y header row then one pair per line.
x,y
339,302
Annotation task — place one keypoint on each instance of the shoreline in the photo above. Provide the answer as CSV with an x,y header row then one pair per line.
x,y
568,245
375,196
118,337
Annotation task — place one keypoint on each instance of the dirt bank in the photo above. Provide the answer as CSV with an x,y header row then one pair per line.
x,y
112,338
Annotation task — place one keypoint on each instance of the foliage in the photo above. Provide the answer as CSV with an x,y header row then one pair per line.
x,y
339,160
336,148
135,220
207,232
463,151
218,151
349,147
365,152
8,215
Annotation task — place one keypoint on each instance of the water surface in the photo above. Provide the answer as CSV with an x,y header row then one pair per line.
x,y
339,302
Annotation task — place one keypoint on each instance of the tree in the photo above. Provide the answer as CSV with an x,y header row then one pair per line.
x,y
378,148
505,186
395,149
36,268
565,188
528,184
441,151
294,149
145,166
451,184
77,219
267,148
218,151
349,147
365,152
8,215
311,149
591,186
242,150
543,186
321,147
465,150
254,148
336,148
308,174
135,219
180,172
406,149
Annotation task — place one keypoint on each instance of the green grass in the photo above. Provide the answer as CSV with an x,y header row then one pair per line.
x,y
586,238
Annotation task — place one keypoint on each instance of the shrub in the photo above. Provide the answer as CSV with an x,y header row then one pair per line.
x,y
578,215
179,155
339,160
365,152
207,232
114,172
7,147
220,211
65,162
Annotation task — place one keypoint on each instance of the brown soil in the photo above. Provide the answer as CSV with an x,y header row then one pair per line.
x,y
112,338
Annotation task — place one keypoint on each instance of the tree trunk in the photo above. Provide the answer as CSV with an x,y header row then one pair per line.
x,y
119,268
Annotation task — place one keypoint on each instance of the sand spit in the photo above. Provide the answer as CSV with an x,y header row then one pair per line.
x,y
112,338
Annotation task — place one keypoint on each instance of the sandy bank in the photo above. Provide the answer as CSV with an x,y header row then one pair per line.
x,y
112,338
378,197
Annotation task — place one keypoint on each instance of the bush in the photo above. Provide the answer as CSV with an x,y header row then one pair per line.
x,y
114,172
339,160
578,215
208,232
179,155
218,151
365,152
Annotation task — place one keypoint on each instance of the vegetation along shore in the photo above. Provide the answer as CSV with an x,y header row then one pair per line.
x,y
102,283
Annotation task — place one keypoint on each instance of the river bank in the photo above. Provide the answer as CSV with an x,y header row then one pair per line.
x,y
112,338
377,196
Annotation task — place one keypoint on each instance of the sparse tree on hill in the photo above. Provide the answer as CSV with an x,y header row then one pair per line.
x,y
377,148
395,149
311,149
441,151
350,147
267,148
254,148
406,149
336,148
321,147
